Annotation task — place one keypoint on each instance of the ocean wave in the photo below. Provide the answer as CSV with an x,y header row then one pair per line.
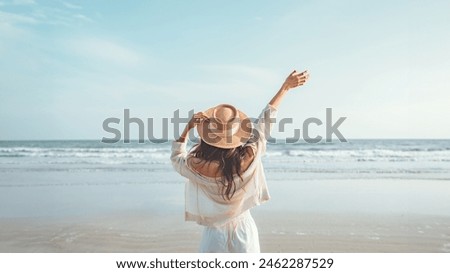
x,y
85,152
93,152
368,155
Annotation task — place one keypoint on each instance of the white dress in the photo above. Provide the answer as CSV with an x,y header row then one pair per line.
x,y
229,226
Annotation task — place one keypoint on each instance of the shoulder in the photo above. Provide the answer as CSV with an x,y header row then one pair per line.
x,y
209,169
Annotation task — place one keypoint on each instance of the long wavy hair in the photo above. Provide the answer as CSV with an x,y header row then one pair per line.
x,y
229,161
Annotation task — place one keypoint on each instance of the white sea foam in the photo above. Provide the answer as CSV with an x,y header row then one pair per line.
x,y
363,156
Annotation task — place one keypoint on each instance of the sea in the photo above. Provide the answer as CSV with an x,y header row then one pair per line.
x,y
409,158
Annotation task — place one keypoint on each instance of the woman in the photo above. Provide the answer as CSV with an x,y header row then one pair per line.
x,y
225,174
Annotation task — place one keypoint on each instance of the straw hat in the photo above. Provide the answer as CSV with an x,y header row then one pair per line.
x,y
226,127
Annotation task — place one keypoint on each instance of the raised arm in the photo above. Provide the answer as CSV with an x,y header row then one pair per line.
x,y
294,79
179,153
195,120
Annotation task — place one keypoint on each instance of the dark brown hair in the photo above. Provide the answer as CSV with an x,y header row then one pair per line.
x,y
229,161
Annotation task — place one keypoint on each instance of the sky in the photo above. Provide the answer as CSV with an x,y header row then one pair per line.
x,y
66,66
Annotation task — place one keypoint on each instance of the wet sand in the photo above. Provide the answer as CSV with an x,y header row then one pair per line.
x,y
279,232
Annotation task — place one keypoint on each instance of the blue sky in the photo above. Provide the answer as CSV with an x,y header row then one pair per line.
x,y
67,66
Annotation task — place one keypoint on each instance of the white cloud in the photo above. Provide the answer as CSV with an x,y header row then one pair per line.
x,y
104,50
11,30
23,2
13,19
71,6
43,14
82,17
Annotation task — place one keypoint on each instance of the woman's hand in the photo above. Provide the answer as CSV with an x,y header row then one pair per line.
x,y
196,120
296,79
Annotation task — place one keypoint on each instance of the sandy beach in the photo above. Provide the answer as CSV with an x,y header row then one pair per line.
x,y
282,233
302,216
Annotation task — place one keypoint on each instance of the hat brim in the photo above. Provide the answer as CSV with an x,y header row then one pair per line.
x,y
242,135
